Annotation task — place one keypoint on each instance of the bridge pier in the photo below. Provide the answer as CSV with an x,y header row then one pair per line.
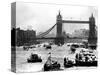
x,y
59,41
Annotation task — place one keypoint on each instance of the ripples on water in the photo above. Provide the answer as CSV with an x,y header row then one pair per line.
x,y
57,53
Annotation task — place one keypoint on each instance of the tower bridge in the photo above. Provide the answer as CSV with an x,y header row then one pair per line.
x,y
59,39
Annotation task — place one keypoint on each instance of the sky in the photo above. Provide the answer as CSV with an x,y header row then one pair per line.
x,y
41,17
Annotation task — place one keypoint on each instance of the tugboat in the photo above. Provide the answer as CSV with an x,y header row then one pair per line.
x,y
68,63
34,58
86,58
51,65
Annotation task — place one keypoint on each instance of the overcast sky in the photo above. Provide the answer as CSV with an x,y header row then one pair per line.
x,y
41,17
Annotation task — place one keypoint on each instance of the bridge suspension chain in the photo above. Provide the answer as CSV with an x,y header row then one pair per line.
x,y
46,32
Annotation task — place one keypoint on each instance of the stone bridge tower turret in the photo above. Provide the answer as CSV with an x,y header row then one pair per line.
x,y
92,39
59,38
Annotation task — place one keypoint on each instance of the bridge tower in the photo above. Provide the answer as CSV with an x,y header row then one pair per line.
x,y
59,38
92,39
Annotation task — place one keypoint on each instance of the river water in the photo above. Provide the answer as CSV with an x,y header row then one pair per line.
x,y
57,53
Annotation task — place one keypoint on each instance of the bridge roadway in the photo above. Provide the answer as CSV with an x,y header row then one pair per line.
x,y
66,40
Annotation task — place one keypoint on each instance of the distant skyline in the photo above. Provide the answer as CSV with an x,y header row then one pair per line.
x,y
41,17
